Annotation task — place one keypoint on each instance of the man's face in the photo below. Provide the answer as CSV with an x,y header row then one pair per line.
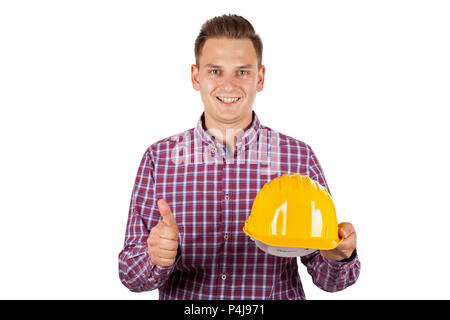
x,y
228,78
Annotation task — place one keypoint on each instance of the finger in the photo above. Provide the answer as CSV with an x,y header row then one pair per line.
x,y
168,244
166,213
346,244
152,241
168,233
346,229
163,262
166,254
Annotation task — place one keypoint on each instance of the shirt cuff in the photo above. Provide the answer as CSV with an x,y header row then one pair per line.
x,y
343,263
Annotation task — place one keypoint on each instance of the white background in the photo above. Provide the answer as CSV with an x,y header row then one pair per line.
x,y
87,86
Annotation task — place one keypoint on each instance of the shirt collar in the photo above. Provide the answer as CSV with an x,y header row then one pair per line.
x,y
243,141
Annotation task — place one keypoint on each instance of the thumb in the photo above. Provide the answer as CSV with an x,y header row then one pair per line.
x,y
166,213
345,229
343,233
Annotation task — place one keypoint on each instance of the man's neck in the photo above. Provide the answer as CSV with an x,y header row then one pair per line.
x,y
227,133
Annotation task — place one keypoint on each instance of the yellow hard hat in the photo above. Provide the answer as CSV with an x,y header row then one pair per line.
x,y
293,216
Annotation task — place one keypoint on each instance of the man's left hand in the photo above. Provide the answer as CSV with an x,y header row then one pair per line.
x,y
345,249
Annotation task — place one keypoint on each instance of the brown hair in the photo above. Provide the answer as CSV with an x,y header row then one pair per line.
x,y
229,26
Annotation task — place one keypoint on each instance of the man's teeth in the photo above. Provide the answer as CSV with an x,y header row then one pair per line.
x,y
228,100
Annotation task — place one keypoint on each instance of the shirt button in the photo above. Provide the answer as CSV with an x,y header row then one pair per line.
x,y
227,161
223,276
226,237
227,197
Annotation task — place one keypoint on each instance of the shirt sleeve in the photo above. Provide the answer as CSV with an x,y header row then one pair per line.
x,y
315,171
330,276
136,271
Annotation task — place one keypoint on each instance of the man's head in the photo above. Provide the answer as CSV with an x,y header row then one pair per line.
x,y
231,27
228,70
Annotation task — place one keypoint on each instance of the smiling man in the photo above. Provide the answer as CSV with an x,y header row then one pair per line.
x,y
194,191
228,73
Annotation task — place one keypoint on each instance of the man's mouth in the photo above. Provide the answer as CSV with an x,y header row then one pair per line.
x,y
228,100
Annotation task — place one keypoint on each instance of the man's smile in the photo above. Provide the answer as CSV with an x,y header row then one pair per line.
x,y
228,100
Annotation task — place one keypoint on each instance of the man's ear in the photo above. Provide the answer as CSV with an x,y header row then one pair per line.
x,y
194,77
261,75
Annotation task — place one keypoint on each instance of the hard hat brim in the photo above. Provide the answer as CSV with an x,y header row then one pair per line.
x,y
289,242
283,251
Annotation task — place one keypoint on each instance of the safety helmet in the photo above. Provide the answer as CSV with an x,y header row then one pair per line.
x,y
293,216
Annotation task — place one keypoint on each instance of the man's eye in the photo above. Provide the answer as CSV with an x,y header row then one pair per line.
x,y
214,71
242,72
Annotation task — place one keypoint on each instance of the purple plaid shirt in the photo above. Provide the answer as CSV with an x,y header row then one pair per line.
x,y
211,192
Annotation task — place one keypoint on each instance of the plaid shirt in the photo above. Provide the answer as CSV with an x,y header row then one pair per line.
x,y
210,192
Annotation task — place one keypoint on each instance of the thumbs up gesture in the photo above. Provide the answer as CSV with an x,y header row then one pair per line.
x,y
163,239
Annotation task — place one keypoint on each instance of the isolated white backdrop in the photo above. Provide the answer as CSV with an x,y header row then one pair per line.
x,y
87,86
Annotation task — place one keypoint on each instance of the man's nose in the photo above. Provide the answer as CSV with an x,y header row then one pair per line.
x,y
228,83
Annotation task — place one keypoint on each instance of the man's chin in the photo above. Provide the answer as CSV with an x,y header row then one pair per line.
x,y
229,113
228,116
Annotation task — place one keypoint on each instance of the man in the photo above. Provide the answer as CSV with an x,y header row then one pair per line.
x,y
194,191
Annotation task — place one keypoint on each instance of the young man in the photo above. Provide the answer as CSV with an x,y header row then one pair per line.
x,y
194,191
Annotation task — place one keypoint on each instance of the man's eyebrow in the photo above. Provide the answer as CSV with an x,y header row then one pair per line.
x,y
209,65
245,66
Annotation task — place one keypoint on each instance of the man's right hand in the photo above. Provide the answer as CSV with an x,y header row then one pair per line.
x,y
163,239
